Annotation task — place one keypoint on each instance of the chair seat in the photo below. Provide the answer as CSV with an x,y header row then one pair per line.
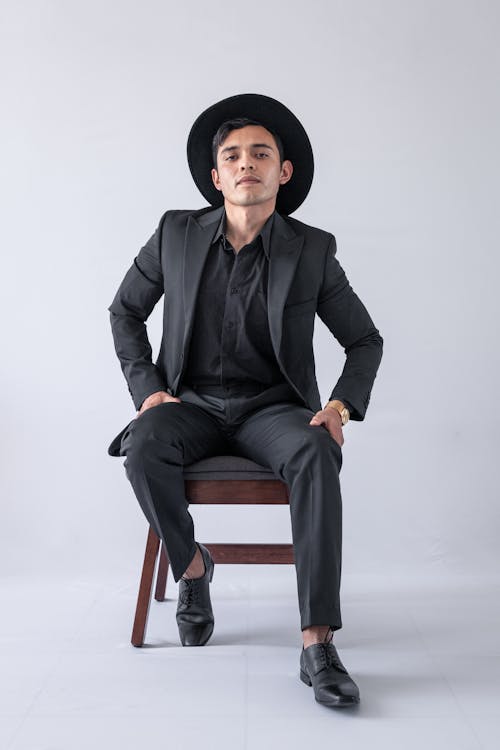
x,y
227,467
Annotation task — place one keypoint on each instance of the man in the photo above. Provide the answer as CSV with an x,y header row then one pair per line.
x,y
242,282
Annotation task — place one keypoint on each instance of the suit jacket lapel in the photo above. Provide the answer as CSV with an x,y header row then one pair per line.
x,y
199,235
284,255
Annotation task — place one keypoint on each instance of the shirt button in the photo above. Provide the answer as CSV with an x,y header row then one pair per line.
x,y
230,325
234,289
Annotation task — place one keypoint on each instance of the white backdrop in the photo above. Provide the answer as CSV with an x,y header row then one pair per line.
x,y
400,101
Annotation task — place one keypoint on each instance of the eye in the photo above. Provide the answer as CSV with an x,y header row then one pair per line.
x,y
231,156
263,153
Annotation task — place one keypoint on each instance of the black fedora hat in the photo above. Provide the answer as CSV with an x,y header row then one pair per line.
x,y
272,114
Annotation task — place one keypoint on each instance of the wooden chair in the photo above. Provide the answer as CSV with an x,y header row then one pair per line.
x,y
223,480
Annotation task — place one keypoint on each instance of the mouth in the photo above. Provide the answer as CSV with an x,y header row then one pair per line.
x,y
247,181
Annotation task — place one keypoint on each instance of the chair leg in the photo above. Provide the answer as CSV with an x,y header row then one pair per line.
x,y
145,589
161,579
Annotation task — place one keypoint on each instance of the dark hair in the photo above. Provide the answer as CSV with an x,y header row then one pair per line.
x,y
234,124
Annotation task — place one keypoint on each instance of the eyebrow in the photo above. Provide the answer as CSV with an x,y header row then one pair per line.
x,y
253,145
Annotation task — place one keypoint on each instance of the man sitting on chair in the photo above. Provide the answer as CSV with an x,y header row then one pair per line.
x,y
242,282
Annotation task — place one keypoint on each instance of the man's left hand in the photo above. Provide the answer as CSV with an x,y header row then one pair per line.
x,y
333,422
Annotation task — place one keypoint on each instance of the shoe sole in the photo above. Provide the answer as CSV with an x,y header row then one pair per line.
x,y
340,703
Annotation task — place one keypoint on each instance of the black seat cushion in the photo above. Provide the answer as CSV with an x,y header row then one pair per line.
x,y
227,467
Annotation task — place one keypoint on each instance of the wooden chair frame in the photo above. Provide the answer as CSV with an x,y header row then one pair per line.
x,y
213,492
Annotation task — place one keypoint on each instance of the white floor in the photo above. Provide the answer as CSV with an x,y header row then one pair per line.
x,y
426,658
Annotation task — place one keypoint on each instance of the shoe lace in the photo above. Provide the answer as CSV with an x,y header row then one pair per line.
x,y
190,592
328,657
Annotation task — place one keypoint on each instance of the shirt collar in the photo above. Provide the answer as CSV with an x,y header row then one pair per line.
x,y
265,232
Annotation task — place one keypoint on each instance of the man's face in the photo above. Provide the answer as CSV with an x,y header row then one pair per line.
x,y
248,167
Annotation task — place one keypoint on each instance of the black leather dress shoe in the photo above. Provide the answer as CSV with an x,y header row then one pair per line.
x,y
195,617
320,666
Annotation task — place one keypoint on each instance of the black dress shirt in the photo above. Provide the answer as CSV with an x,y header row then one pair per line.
x,y
231,344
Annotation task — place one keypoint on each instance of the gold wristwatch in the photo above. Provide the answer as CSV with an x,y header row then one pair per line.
x,y
341,408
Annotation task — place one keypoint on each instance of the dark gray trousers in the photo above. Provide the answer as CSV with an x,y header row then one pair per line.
x,y
164,438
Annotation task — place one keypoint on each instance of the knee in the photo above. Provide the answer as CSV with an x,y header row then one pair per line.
x,y
319,442
327,451
146,441
315,447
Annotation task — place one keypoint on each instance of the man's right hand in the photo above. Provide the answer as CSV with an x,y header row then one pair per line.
x,y
159,397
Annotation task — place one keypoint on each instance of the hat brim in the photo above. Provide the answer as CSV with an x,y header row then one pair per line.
x,y
272,114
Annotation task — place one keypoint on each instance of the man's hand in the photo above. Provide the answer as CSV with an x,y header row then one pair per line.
x,y
160,397
331,418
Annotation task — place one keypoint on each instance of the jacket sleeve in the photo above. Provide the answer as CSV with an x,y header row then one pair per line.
x,y
342,311
134,301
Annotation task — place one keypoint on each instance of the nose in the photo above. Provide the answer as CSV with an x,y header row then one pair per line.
x,y
246,161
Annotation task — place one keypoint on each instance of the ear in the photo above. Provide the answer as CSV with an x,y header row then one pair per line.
x,y
215,179
286,171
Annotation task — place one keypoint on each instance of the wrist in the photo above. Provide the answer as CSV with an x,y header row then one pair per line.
x,y
340,408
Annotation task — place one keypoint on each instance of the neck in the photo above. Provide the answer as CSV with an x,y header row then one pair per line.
x,y
243,223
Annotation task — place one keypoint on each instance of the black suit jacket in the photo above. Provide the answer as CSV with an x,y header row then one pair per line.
x,y
305,278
